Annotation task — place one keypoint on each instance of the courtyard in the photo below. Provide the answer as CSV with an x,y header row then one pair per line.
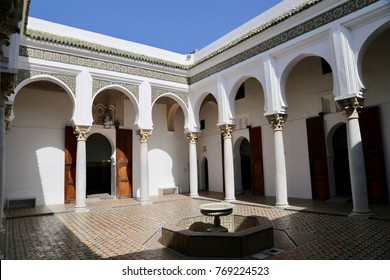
x,y
125,229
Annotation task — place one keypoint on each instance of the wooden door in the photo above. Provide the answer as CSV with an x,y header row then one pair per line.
x,y
370,128
70,165
317,158
124,163
256,155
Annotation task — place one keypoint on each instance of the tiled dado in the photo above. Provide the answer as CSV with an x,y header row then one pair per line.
x,y
99,64
68,80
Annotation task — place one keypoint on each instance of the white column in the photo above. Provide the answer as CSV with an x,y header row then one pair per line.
x,y
144,135
7,85
2,165
81,167
277,121
355,155
227,130
193,137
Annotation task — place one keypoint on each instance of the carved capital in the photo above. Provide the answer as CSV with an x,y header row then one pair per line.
x,y
82,132
227,130
144,134
192,137
351,106
8,83
11,13
277,121
8,117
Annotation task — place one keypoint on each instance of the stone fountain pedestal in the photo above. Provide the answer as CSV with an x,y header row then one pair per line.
x,y
216,210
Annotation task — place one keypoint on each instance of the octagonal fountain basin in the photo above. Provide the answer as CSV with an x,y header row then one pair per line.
x,y
244,236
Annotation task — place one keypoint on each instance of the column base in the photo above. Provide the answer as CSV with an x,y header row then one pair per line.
x,y
360,213
145,202
230,199
194,195
281,205
81,209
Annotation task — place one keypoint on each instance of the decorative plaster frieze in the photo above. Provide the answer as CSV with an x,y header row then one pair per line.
x,y
70,81
277,121
99,64
98,84
316,22
157,92
192,137
227,130
290,34
351,106
144,134
82,132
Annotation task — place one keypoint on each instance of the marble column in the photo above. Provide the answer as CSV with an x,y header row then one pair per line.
x,y
227,130
351,107
81,167
144,135
7,85
193,138
277,121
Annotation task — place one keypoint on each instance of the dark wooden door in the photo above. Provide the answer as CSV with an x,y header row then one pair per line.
x,y
317,158
70,165
370,128
256,155
124,163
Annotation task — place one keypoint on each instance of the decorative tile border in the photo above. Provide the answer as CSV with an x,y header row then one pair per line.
x,y
98,84
294,32
99,64
70,81
310,25
157,92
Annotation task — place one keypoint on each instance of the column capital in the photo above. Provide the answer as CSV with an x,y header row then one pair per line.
x,y
227,130
277,121
351,106
8,84
144,134
192,137
82,132
8,117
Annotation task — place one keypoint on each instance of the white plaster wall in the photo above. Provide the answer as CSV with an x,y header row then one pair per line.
x,y
304,85
168,152
35,146
376,78
210,138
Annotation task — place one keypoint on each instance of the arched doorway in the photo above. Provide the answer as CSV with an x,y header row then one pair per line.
x,y
341,162
98,165
246,175
205,171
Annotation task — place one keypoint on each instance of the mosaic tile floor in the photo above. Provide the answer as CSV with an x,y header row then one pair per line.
x,y
123,229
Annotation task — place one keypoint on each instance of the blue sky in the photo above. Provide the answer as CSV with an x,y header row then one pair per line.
x,y
176,25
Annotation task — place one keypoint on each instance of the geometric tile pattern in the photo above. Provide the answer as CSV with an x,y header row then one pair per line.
x,y
123,229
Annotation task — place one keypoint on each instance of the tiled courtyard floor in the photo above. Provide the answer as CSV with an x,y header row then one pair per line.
x,y
123,229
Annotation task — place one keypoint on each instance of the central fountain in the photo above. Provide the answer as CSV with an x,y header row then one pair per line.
x,y
216,210
218,233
